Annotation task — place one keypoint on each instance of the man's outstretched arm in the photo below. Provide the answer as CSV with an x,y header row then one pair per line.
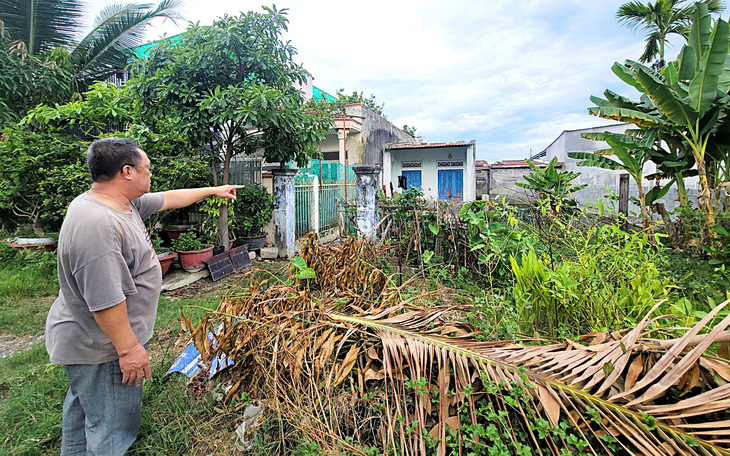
x,y
175,199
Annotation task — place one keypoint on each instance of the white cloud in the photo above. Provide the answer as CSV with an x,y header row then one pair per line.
x,y
512,76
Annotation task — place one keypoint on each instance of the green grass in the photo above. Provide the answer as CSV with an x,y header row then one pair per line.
x,y
31,399
32,390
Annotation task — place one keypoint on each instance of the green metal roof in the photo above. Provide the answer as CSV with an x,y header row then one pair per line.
x,y
143,51
318,94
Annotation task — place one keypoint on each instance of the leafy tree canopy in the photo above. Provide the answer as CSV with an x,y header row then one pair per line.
x,y
230,88
26,80
337,106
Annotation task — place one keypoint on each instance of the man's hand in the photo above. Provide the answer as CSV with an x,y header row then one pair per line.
x,y
135,365
226,191
175,199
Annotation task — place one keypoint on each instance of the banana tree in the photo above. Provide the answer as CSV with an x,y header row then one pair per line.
x,y
632,153
688,96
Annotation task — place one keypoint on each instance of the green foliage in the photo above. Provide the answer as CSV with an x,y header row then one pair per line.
x,y
594,277
411,131
44,26
632,153
31,165
686,102
300,270
59,188
229,76
254,209
337,106
26,81
659,20
229,88
552,185
26,273
212,208
495,236
33,392
103,105
188,241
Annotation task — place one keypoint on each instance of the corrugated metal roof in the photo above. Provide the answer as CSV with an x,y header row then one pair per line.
x,y
427,145
521,164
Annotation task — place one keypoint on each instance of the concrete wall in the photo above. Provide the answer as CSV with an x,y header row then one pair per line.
x,y
482,178
603,181
377,131
429,170
503,184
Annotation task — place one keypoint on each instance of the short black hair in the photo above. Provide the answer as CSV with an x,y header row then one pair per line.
x,y
106,157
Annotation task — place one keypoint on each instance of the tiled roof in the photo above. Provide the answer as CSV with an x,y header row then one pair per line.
x,y
427,145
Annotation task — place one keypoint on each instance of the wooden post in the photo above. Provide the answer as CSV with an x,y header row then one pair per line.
x,y
623,201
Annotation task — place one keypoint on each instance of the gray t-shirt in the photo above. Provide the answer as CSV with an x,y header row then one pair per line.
x,y
105,256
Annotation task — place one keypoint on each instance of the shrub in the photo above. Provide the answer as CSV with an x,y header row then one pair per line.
x,y
592,277
188,242
254,207
32,165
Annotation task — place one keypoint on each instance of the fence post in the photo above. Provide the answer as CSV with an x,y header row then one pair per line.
x,y
623,200
315,205
284,211
368,178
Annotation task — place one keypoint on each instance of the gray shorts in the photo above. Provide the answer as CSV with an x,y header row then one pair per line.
x,y
101,416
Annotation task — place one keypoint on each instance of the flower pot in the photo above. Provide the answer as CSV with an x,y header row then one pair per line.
x,y
256,242
173,231
165,260
193,261
47,244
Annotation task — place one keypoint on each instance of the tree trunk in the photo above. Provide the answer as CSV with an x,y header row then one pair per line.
x,y
223,217
644,210
704,201
682,191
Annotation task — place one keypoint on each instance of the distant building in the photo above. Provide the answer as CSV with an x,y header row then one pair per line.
x,y
502,179
444,171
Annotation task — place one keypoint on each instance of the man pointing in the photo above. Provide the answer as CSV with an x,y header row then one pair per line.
x,y
109,277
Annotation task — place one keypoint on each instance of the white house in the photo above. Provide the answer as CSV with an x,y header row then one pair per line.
x,y
441,170
599,179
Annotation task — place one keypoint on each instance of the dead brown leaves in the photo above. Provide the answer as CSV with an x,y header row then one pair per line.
x,y
350,363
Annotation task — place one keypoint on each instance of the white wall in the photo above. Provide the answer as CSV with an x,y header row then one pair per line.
x,y
598,179
429,170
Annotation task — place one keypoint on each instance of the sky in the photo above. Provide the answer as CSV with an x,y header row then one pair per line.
x,y
510,75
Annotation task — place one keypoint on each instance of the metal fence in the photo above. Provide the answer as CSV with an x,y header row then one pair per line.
x,y
320,192
329,195
304,195
317,206
244,171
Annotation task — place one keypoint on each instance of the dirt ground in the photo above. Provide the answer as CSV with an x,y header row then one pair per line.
x,y
13,344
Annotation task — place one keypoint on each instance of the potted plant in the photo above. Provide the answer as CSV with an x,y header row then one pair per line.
x,y
191,251
254,207
210,226
164,255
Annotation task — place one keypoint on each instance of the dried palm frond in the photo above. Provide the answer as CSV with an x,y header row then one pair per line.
x,y
352,372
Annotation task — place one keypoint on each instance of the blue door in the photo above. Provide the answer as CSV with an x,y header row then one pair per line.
x,y
451,184
413,179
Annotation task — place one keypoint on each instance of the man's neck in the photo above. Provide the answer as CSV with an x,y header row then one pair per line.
x,y
110,195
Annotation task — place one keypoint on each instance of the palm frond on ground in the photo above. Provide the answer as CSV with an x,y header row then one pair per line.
x,y
354,372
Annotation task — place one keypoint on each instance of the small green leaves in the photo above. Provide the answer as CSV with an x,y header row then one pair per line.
x,y
302,271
